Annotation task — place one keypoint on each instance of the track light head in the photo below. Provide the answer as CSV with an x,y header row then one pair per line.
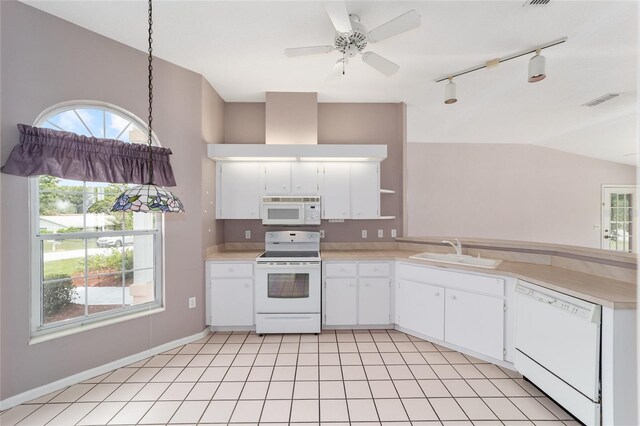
x,y
450,92
537,68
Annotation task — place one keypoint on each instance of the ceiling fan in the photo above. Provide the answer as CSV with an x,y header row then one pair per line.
x,y
352,38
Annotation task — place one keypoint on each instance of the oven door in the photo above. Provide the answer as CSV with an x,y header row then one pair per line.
x,y
288,288
283,213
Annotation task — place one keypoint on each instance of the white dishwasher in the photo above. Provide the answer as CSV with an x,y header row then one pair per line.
x,y
558,348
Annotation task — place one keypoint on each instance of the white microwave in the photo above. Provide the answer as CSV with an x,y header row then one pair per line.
x,y
290,210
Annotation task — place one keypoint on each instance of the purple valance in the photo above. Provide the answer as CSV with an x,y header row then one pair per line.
x,y
70,156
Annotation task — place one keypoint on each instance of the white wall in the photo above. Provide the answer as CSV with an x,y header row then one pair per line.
x,y
508,191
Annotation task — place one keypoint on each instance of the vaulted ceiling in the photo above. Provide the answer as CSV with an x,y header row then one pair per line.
x,y
238,47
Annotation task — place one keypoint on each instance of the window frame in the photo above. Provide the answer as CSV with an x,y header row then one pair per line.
x,y
41,332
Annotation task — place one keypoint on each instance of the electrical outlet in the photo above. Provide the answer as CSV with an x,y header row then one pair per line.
x,y
596,227
393,233
364,233
247,235
192,302
322,233
380,233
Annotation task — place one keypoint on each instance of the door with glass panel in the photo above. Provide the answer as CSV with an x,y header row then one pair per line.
x,y
619,217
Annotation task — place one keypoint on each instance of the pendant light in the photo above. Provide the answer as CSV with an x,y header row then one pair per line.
x,y
148,197
450,92
536,68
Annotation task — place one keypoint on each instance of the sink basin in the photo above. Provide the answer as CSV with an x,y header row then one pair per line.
x,y
459,259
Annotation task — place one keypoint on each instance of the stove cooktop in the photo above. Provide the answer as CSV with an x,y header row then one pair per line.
x,y
289,254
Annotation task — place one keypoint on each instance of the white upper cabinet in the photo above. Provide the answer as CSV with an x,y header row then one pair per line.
x,y
277,178
365,190
335,202
305,178
238,190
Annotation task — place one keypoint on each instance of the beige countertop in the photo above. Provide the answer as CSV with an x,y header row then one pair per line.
x,y
604,291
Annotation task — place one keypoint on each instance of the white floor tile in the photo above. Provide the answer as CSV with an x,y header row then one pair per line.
x,y
306,390
218,412
151,392
160,412
434,388
228,391
391,410
504,409
247,411
383,389
177,391
276,411
419,409
447,409
333,410
362,410
484,387
533,409
72,414
189,412
305,410
280,390
15,414
125,392
408,388
99,393
131,413
459,388
332,390
102,413
43,414
476,409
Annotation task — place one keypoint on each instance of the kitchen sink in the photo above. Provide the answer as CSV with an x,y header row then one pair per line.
x,y
459,259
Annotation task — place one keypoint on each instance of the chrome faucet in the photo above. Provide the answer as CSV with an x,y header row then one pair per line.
x,y
457,246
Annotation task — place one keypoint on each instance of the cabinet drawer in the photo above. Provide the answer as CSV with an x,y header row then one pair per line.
x,y
468,282
231,269
378,269
341,269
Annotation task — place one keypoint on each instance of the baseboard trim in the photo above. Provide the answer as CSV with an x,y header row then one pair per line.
x,y
43,390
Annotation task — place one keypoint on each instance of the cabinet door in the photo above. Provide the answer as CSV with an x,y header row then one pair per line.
x,y
475,322
341,301
277,178
365,190
232,302
373,301
335,191
420,308
238,195
304,178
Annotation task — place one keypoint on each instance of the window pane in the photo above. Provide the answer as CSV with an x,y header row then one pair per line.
x,y
60,301
103,293
116,126
140,221
63,259
140,287
107,256
134,134
139,253
70,122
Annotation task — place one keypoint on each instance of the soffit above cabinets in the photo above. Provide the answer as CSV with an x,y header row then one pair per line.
x,y
324,152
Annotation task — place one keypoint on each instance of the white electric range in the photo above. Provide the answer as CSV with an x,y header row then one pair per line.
x,y
288,283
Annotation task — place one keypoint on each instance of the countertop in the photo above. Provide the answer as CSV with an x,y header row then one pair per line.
x,y
603,291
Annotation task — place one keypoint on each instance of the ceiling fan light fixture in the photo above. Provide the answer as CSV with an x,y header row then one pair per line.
x,y
537,68
450,92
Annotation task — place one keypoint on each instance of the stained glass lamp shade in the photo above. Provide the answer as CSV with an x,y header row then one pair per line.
x,y
148,198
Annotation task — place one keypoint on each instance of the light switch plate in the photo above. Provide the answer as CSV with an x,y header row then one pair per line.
x,y
192,302
322,233
247,235
393,233
380,233
364,233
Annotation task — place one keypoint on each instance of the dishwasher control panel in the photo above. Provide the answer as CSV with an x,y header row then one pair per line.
x,y
569,305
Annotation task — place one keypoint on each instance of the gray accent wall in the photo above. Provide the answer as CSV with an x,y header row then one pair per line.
x,y
45,61
338,123
508,192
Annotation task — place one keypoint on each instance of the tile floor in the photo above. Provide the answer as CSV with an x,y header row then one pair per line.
x,y
362,377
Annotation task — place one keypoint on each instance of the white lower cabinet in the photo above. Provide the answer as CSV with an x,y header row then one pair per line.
x,y
373,301
420,307
464,309
357,294
474,321
230,294
341,301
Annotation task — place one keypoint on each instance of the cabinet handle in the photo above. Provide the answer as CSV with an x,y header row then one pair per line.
x,y
453,298
437,293
284,186
230,269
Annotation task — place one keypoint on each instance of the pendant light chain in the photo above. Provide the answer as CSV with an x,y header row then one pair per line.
x,y
150,118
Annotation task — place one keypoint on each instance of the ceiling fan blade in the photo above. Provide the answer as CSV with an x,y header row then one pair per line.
x,y
311,50
399,25
381,64
339,16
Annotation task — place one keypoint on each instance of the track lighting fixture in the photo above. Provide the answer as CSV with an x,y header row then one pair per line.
x,y
450,92
536,68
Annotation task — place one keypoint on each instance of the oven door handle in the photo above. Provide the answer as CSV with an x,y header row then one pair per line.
x,y
305,266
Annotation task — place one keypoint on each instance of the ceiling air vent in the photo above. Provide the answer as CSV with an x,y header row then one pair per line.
x,y
601,99
536,3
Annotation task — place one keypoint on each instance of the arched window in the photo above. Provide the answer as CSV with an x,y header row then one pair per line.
x,y
90,264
